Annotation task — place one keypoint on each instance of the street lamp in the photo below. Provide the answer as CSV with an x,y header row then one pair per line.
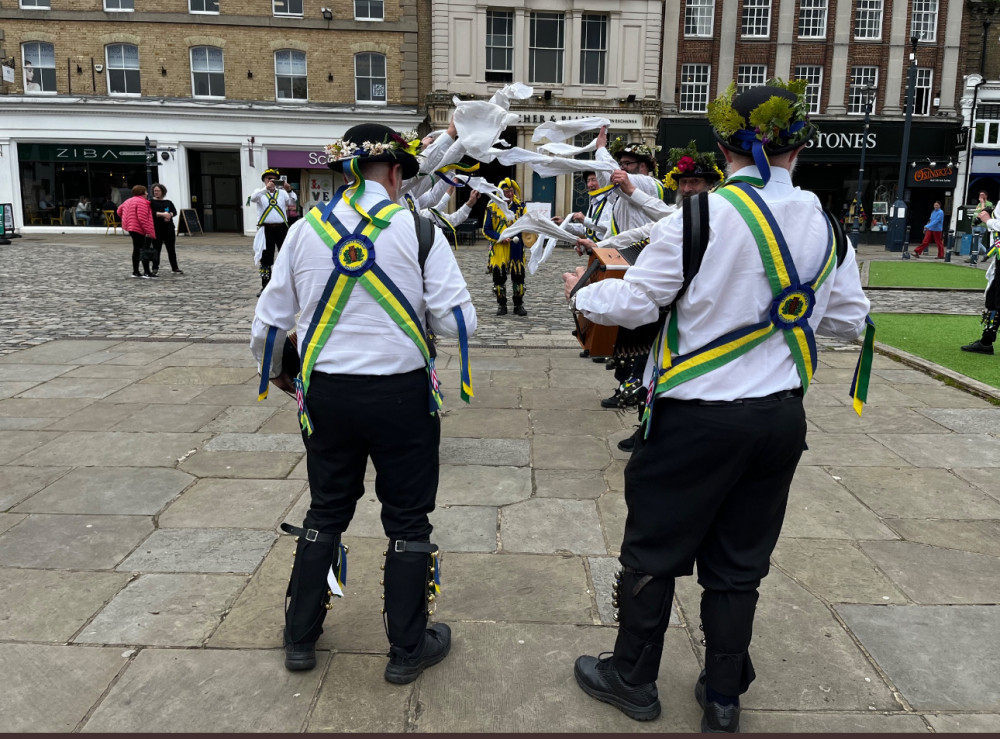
x,y
869,99
897,224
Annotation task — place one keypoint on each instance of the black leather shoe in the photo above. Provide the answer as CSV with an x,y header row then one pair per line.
x,y
611,402
599,679
437,643
627,445
501,310
978,347
716,719
300,657
520,311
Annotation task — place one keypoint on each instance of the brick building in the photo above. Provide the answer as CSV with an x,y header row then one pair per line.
x,y
229,88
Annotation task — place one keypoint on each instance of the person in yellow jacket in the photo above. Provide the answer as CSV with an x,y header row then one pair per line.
x,y
507,255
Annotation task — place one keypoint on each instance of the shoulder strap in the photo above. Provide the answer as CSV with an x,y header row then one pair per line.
x,y
425,238
695,237
840,239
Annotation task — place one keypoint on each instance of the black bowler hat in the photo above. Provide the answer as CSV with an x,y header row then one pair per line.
x,y
788,129
373,142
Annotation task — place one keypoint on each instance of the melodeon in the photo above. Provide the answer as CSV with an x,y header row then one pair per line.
x,y
605,263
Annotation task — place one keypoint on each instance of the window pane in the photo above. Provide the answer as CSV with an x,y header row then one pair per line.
x,y
698,17
922,89
868,19
218,85
370,83
694,88
750,75
756,17
545,60
814,75
38,62
924,19
499,46
862,78
812,18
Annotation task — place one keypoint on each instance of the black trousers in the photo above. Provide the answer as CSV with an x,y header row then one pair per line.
x,y
274,237
138,242
169,240
709,486
500,284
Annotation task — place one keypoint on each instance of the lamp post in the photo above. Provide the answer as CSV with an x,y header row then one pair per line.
x,y
897,224
856,234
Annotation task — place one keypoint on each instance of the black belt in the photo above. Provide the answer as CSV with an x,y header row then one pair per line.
x,y
772,398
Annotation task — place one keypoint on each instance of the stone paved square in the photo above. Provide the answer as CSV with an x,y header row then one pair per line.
x,y
200,550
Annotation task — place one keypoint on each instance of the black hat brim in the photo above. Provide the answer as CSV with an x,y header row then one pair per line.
x,y
769,148
409,162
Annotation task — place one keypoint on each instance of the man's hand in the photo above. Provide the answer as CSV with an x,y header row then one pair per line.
x,y
473,197
584,246
570,279
602,138
270,186
984,216
287,185
452,130
557,220
620,177
284,382
577,217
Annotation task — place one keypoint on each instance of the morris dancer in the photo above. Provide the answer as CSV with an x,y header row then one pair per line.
x,y
991,313
508,255
272,221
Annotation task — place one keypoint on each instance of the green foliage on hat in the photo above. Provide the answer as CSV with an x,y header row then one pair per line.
x,y
770,120
721,115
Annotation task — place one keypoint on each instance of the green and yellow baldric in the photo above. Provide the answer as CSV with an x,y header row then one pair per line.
x,y
272,205
791,307
661,193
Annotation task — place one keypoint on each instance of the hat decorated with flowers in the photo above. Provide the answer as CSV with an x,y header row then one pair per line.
x,y
770,119
640,151
689,162
373,142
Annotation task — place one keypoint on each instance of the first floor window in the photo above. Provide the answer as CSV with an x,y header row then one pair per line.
x,y
757,18
369,78
812,18
123,69
208,73
750,75
39,64
369,10
593,48
499,46
203,6
35,4
813,73
290,75
119,5
924,20
864,82
545,48
694,88
923,88
868,20
699,16
287,7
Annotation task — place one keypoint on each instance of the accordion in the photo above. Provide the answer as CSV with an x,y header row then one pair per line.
x,y
604,341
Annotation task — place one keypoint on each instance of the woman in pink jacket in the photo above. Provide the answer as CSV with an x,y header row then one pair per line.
x,y
137,218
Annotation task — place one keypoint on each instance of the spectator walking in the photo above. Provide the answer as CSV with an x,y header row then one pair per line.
x,y
164,213
933,230
980,234
137,218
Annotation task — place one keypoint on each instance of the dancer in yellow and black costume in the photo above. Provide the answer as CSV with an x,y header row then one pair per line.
x,y
507,255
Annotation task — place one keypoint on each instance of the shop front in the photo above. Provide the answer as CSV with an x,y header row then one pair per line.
x,y
70,184
310,178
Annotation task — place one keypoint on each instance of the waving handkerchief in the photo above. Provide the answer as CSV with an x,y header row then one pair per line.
x,y
513,91
545,165
502,205
568,150
562,130
479,124
540,253
539,223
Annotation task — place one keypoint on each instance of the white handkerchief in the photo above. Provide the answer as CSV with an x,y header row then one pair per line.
x,y
568,150
562,130
513,91
502,205
479,124
331,580
540,224
540,253
545,165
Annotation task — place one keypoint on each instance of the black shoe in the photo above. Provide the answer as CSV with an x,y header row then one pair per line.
x,y
152,275
599,360
716,719
501,310
599,679
611,402
154,272
136,274
300,656
402,670
178,271
978,347
627,445
520,311
916,255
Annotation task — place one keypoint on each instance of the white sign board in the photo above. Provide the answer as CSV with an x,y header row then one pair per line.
x,y
542,208
8,74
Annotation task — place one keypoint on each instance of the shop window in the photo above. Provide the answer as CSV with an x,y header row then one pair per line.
x,y
813,74
290,77
864,80
868,20
39,63
203,6
699,18
369,10
922,98
287,7
369,78
812,18
123,69
694,87
499,46
35,4
545,48
119,6
750,75
756,18
208,78
923,23
593,48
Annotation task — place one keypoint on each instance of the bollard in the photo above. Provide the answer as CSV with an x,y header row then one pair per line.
x,y
949,245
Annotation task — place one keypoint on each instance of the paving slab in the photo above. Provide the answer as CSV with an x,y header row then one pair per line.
x,y
8,423
164,610
934,575
113,449
170,418
135,491
97,417
496,452
836,571
171,394
819,507
941,396
598,423
486,397
602,578
595,377
375,705
76,387
51,606
852,450
33,373
201,376
978,537
911,643
908,492
172,690
204,354
10,520
238,419
984,723
238,395
282,422
943,450
551,526
556,398
465,528
795,722
575,484
985,479
112,371
482,423
482,485
42,407
62,351
614,474
354,624
17,483
72,542
613,512
140,352
822,396
55,685
514,587
523,379
877,419
804,659
15,444
487,690
256,443
965,420
569,453
228,503
200,550
241,464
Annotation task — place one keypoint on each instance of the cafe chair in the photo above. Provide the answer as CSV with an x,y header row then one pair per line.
x,y
111,221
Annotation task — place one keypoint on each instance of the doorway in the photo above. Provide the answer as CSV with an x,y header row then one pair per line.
x,y
216,190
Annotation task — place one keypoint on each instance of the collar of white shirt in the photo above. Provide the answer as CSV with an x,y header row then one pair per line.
x,y
779,175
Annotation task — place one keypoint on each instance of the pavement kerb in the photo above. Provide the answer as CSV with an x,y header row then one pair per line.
x,y
956,379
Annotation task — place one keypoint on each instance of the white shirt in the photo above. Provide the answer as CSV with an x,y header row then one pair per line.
x,y
601,227
366,340
731,291
284,197
642,206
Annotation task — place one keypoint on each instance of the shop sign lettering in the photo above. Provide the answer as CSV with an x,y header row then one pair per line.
x,y
79,153
843,141
533,119
926,173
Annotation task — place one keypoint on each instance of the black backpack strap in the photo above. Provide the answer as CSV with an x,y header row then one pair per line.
x,y
840,239
695,237
425,240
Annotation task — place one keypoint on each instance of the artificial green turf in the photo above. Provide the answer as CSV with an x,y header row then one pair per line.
x,y
939,339
921,273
